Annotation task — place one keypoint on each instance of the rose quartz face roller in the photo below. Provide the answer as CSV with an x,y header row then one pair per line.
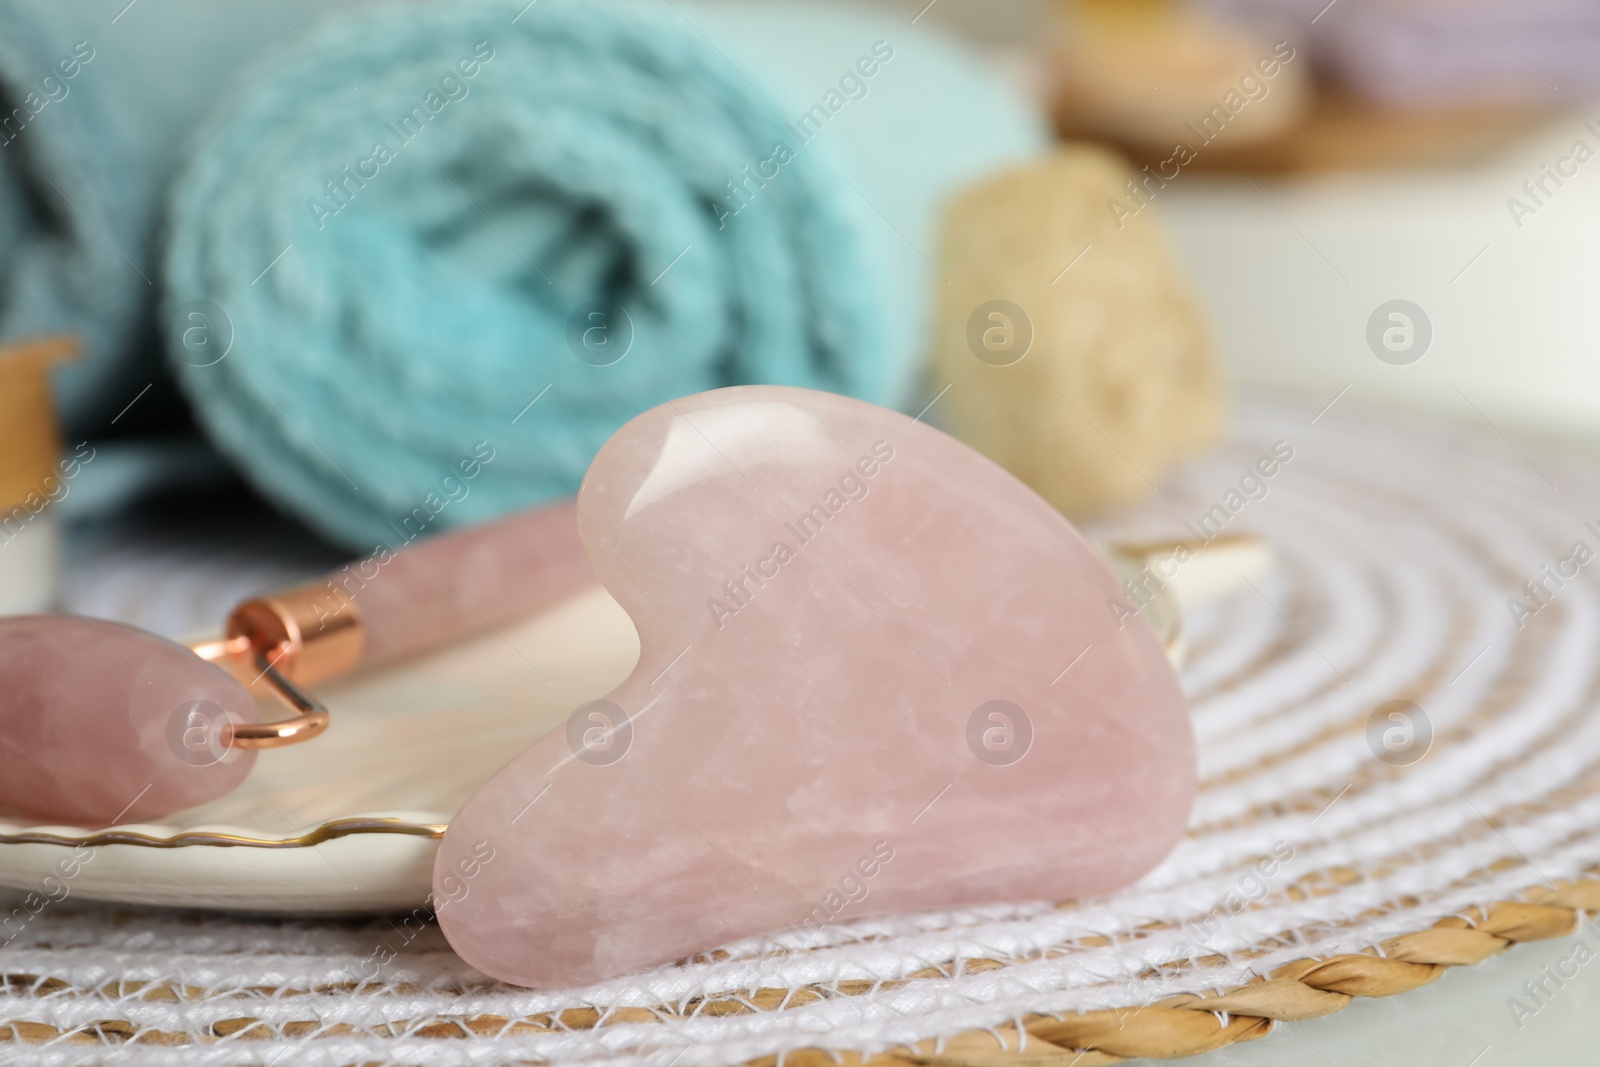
x,y
102,722
877,673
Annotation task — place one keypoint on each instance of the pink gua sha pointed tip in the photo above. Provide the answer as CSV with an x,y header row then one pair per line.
x,y
102,722
850,700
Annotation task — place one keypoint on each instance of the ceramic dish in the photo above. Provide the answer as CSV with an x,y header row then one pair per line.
x,y
350,823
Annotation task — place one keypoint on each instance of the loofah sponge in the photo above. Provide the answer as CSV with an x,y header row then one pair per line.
x,y
1074,353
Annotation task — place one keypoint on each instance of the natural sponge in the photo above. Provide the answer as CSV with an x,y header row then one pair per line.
x,y
1075,355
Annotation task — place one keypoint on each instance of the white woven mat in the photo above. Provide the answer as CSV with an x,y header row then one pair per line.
x,y
1399,549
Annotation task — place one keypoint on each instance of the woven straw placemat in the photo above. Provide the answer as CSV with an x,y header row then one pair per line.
x,y
1336,851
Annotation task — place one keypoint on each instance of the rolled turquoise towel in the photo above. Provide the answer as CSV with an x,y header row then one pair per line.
x,y
96,99
480,237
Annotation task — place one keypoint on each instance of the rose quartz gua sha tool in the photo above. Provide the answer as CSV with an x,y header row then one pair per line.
x,y
102,722
877,673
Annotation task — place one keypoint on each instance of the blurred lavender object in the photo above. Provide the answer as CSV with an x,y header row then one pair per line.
x,y
1431,53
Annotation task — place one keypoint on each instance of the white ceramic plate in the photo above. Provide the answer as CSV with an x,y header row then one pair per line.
x,y
350,822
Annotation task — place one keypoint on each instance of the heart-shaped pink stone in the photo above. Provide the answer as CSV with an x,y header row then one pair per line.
x,y
877,673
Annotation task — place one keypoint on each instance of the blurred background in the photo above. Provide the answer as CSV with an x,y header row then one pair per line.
x,y
267,275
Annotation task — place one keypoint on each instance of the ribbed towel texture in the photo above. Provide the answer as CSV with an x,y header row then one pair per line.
x,y
96,99
490,233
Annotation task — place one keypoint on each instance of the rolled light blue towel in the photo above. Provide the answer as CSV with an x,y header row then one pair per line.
x,y
421,268
96,99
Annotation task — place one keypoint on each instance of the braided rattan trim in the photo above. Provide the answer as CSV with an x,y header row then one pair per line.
x,y
1180,1026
